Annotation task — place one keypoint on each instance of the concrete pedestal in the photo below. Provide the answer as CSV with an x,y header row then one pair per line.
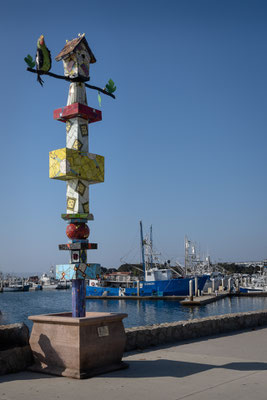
x,y
77,347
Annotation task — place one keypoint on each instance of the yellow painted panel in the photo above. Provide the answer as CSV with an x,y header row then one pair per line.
x,y
65,164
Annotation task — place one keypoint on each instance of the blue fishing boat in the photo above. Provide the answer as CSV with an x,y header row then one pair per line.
x,y
156,282
166,287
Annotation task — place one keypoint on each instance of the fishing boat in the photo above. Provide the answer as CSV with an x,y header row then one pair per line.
x,y
63,285
35,287
47,281
16,288
157,280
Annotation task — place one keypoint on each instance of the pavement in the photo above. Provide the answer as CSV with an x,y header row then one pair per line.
x,y
231,367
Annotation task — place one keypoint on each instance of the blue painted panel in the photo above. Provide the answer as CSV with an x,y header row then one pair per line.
x,y
77,271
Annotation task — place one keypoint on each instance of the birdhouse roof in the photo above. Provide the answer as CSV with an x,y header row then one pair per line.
x,y
71,46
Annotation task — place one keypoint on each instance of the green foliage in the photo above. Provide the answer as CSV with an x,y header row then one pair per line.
x,y
110,87
238,269
135,269
29,60
99,99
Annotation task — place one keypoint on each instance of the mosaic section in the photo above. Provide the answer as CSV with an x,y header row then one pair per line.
x,y
78,271
77,134
78,246
77,196
76,96
65,164
80,216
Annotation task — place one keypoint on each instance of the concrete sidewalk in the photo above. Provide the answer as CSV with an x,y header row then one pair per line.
x,y
228,367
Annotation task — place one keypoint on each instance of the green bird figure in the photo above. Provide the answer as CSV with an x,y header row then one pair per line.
x,y
43,59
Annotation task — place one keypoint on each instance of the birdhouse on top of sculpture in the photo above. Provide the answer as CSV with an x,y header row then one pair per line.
x,y
77,57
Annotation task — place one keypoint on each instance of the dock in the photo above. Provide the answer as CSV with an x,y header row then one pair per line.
x,y
174,298
184,300
205,299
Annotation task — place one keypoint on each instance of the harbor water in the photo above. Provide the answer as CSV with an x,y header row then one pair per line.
x,y
17,306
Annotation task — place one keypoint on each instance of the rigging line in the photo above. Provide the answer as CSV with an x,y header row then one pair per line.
x,y
132,247
122,259
126,255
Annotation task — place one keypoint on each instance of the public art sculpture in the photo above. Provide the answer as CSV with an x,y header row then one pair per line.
x,y
76,344
79,168
74,163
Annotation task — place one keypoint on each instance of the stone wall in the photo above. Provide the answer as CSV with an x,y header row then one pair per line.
x,y
15,351
16,355
146,336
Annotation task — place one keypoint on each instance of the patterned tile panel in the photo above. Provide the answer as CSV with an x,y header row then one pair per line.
x,y
77,134
77,271
66,164
77,189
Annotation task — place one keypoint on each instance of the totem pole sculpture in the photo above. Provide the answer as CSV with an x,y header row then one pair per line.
x,y
74,163
76,344
79,168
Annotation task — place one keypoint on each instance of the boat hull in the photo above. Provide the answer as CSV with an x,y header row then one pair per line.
x,y
244,289
19,288
173,287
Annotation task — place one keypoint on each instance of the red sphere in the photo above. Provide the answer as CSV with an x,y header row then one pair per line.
x,y
71,231
77,231
83,231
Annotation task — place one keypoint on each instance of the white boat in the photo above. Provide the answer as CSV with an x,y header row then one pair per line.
x,y
257,283
47,282
217,279
35,286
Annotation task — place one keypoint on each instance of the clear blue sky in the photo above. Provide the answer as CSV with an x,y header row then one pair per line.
x,y
184,142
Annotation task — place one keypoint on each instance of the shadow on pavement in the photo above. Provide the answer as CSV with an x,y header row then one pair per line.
x,y
24,376
179,369
151,369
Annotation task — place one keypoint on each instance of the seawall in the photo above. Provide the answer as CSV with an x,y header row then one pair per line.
x,y
16,355
15,351
146,336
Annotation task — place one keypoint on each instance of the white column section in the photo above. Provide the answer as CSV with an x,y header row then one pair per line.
x,y
77,138
77,93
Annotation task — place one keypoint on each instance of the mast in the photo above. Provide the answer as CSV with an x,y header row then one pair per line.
x,y
142,248
185,254
151,248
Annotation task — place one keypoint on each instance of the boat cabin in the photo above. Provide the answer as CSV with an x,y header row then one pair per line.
x,y
158,275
